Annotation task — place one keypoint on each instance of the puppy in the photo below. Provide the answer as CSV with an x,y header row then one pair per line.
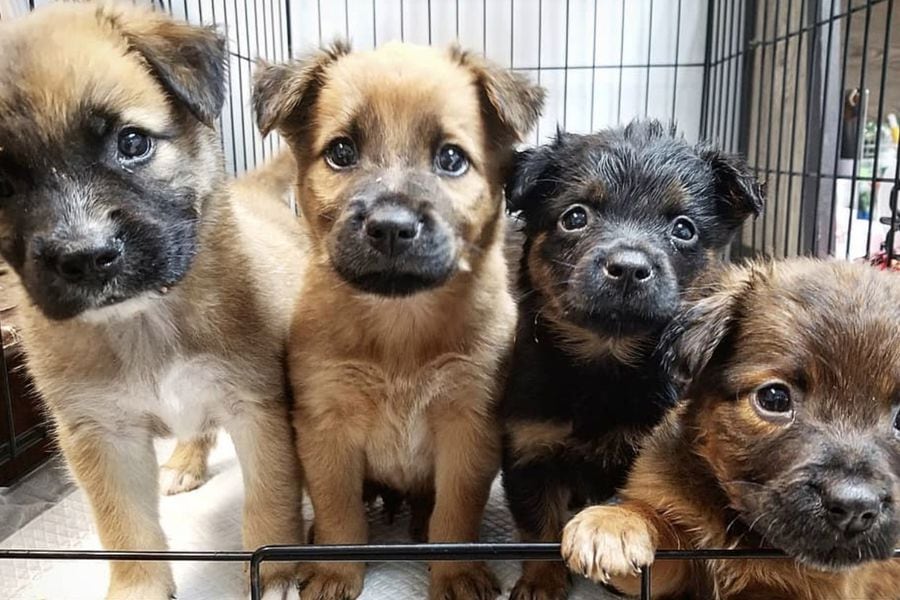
x,y
157,303
397,349
616,224
789,438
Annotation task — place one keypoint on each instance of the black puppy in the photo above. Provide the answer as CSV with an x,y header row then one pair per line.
x,y
616,224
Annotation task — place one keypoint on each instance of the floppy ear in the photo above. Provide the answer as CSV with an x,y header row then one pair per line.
x,y
741,193
515,101
289,89
188,61
532,177
692,338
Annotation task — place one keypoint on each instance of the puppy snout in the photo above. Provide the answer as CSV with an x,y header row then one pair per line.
x,y
626,266
80,264
391,229
853,508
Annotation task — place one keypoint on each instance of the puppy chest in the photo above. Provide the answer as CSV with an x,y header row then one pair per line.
x,y
399,443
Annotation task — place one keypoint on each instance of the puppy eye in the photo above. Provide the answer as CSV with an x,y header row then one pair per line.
x,y
897,422
574,219
341,154
773,401
683,229
451,160
134,144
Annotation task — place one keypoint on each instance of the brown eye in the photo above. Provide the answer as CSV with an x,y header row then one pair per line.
x,y
341,154
774,401
451,160
574,219
897,421
134,144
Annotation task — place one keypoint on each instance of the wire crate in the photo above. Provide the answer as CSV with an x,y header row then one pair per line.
x,y
805,89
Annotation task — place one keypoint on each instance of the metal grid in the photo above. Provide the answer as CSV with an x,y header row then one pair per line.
x,y
767,78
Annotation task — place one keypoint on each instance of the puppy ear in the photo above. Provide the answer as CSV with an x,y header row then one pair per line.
x,y
532,177
289,89
513,98
741,193
692,338
189,61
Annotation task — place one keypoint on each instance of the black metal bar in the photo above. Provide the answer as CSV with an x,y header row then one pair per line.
x,y
759,107
765,217
566,72
540,51
860,126
319,19
880,120
704,94
429,22
783,109
646,583
821,142
716,87
811,47
837,149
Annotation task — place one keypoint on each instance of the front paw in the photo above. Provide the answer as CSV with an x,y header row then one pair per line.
x,y
141,581
542,581
608,541
338,581
176,480
279,581
463,581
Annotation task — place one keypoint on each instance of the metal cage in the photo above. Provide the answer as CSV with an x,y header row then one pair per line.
x,y
803,88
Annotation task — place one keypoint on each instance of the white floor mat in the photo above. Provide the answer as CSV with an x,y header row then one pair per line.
x,y
208,518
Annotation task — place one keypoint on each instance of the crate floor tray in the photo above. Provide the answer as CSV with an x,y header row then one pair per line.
x,y
205,519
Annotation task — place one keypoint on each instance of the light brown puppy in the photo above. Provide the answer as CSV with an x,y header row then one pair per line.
x,y
789,439
407,316
158,301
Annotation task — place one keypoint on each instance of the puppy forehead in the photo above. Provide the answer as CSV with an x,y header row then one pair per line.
x,y
64,61
838,324
401,84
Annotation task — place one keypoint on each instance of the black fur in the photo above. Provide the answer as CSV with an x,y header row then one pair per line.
x,y
635,182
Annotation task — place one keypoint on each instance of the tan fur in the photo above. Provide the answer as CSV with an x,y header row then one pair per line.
x,y
684,483
403,390
186,468
220,332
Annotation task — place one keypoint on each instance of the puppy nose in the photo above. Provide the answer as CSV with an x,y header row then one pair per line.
x,y
93,263
852,507
627,266
391,229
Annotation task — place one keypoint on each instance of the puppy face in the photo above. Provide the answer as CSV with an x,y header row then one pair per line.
x,y
619,222
401,152
106,150
796,396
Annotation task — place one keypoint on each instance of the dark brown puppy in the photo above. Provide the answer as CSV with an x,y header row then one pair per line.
x,y
789,438
402,155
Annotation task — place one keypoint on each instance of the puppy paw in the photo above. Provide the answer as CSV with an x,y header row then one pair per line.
x,y
331,582
463,581
542,581
178,480
279,582
149,591
608,541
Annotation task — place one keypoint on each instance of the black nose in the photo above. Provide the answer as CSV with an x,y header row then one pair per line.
x,y
98,263
392,229
627,266
852,507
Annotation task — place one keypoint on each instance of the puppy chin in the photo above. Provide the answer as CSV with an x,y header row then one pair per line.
x,y
124,310
394,284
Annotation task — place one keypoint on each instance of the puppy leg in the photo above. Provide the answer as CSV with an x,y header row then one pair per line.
x,y
273,484
611,544
186,468
538,500
334,466
118,472
467,457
